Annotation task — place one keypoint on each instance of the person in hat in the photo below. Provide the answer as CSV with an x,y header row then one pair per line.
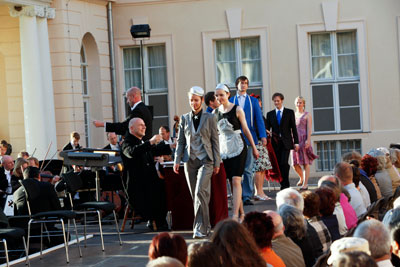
x,y
198,147
347,244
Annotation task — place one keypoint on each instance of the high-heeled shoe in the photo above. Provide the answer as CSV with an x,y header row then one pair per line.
x,y
304,188
300,183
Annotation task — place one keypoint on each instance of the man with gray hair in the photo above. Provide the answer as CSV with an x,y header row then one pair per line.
x,y
344,172
283,246
378,237
6,170
291,197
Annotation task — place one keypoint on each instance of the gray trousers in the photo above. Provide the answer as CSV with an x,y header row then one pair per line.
x,y
198,176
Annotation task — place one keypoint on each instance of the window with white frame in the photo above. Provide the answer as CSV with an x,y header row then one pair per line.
x,y
155,79
335,82
236,57
85,94
331,152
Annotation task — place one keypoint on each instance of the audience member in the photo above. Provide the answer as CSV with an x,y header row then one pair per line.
x,y
381,175
354,259
296,229
344,172
283,246
393,219
395,244
395,158
237,246
338,207
261,227
19,166
164,261
204,254
359,186
172,245
369,165
326,208
378,238
347,244
312,214
391,169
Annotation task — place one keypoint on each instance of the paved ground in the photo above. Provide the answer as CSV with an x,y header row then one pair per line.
x,y
135,246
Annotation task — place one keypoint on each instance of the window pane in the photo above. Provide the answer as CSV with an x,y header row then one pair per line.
x,y
225,50
133,78
160,104
252,70
350,119
158,78
156,56
86,121
324,120
320,44
348,66
346,42
348,95
83,57
322,96
226,73
250,48
322,67
131,58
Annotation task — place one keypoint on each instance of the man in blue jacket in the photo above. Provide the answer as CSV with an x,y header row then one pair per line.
x,y
255,122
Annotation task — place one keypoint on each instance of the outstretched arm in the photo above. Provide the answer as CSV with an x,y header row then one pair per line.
x,y
246,131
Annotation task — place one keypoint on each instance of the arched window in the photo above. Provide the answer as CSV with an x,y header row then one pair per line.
x,y
85,94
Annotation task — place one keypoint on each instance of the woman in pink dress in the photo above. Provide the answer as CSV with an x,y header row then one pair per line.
x,y
304,156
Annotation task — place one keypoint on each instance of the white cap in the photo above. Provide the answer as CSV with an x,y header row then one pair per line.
x,y
196,90
222,86
347,244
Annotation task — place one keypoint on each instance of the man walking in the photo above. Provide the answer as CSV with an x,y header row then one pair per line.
x,y
282,124
255,123
198,147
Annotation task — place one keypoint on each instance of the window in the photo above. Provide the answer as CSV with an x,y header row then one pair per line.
x,y
335,82
85,94
236,57
155,79
331,152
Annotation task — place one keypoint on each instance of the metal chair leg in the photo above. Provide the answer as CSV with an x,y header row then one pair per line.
x,y
65,240
29,234
125,217
84,228
26,252
117,228
101,229
41,240
6,252
77,238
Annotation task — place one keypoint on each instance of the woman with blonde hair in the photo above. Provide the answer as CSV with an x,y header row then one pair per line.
x,y
19,167
304,156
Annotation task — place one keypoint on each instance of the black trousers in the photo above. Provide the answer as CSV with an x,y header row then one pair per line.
x,y
282,156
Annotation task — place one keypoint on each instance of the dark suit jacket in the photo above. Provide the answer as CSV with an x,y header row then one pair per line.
x,y
69,147
46,201
286,131
146,190
3,181
140,111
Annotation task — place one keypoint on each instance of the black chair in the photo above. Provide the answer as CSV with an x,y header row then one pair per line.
x,y
73,184
12,234
396,194
32,192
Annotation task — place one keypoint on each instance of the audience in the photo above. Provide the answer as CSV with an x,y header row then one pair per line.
x,y
344,172
326,208
236,244
204,254
261,227
378,238
346,245
283,246
172,245
381,175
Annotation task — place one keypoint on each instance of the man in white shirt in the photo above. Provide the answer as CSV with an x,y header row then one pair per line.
x,y
113,142
344,172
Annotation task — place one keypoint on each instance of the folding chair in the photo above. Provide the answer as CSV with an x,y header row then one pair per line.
x,y
32,192
13,233
74,183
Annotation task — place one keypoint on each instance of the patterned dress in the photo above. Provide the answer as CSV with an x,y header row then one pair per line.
x,y
263,163
304,156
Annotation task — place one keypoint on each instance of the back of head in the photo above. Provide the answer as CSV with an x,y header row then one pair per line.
x,y
344,172
369,164
337,190
33,162
290,197
311,204
261,227
172,245
395,234
354,259
237,245
277,221
293,221
394,218
204,254
18,166
210,96
31,172
75,135
331,178
353,155
377,235
327,201
356,175
348,244
164,261
394,155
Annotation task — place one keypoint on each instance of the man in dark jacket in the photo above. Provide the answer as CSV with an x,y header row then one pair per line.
x,y
146,191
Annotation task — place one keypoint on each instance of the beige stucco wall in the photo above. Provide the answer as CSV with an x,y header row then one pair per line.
x,y
11,104
186,23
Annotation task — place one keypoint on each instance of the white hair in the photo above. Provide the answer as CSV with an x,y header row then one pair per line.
x,y
291,197
164,261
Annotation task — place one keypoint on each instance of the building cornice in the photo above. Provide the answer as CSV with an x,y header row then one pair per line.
x,y
26,2
32,11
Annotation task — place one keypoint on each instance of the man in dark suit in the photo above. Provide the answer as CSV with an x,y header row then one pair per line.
x,y
6,169
138,110
73,141
281,122
146,191
112,142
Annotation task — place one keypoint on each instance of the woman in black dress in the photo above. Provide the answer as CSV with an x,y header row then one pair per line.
x,y
233,150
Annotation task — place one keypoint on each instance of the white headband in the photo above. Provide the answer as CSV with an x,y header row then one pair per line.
x,y
222,87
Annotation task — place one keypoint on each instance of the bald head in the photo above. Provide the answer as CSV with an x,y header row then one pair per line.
x,y
277,221
329,178
133,95
137,127
344,172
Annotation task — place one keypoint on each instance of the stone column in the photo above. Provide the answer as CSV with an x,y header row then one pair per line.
x,y
37,87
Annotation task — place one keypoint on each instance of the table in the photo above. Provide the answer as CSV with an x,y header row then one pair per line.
x,y
180,203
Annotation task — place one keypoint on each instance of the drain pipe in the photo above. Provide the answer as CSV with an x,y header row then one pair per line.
x,y
112,62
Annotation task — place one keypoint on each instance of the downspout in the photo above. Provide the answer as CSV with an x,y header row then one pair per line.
x,y
112,62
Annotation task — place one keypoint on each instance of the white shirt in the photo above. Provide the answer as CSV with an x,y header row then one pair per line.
x,y
356,201
242,100
385,263
135,105
8,176
365,195
276,111
114,147
341,219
